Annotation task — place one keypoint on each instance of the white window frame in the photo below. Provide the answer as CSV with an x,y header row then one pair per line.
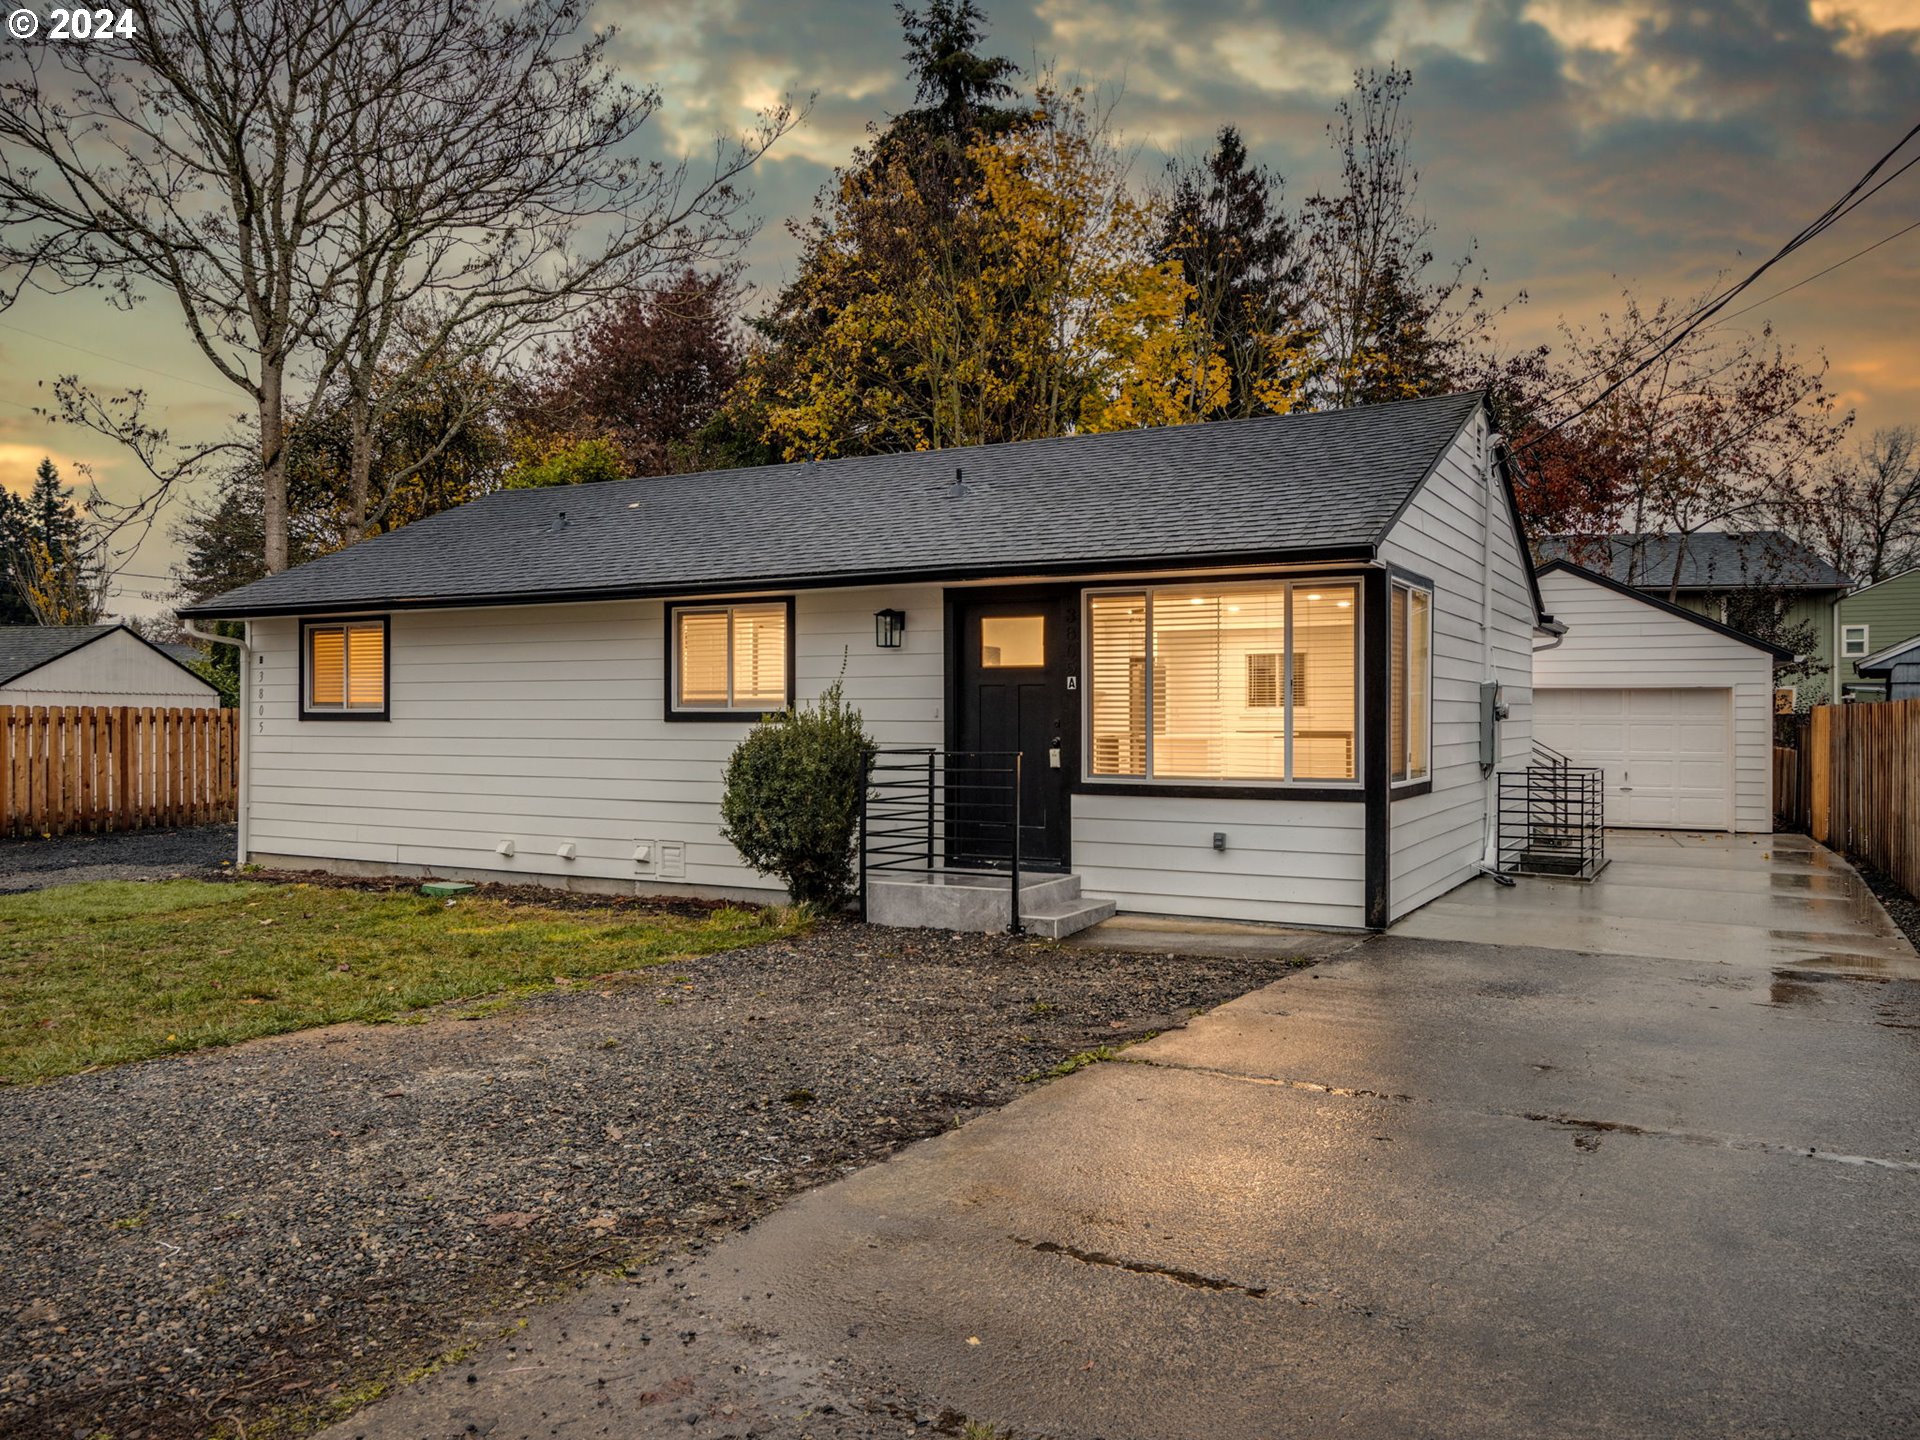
x,y
1289,583
1411,588
346,709
1848,633
730,710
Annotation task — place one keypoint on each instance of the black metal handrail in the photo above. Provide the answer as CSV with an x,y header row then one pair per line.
x,y
1552,819
1549,757
941,812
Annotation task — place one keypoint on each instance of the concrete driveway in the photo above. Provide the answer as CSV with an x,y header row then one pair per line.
x,y
1430,1187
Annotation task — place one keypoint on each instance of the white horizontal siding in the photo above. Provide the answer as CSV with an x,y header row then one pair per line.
x,y
116,669
546,725
1290,862
1438,838
1618,642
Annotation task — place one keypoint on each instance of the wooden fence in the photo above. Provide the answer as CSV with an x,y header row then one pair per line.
x,y
125,767
1790,787
1854,784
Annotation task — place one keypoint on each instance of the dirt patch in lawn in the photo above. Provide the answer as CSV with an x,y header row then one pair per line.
x,y
256,1239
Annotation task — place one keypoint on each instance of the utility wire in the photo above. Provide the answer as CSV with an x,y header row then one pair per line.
x,y
1768,300
116,359
1857,194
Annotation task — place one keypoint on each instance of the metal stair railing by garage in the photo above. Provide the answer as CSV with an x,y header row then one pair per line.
x,y
933,812
1552,818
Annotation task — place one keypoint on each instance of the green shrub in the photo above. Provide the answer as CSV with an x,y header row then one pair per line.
x,y
793,798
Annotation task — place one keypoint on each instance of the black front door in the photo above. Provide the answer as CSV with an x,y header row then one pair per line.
x,y
1016,691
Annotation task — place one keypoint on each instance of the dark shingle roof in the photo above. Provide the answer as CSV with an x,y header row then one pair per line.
x,y
28,647
25,648
1709,560
1246,488
1907,652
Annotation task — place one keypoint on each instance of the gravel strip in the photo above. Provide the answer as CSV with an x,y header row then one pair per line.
x,y
197,1243
1904,909
36,863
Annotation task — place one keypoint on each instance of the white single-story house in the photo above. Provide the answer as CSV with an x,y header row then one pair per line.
x,y
1256,669
94,665
1674,706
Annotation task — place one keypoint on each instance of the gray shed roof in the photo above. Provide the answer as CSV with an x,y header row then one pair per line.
x,y
1709,560
1907,652
1269,488
25,648
28,647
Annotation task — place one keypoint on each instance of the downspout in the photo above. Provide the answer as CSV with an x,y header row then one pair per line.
x,y
1489,863
241,644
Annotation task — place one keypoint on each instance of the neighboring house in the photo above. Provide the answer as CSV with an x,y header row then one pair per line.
x,y
93,665
1872,621
1896,670
1244,661
1673,706
1707,571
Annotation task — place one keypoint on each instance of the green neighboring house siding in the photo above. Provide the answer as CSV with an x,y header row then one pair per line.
x,y
1812,607
1891,613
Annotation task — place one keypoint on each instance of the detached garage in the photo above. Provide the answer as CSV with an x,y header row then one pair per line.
x,y
1674,708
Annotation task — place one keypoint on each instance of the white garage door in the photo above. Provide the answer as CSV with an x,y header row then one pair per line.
x,y
1667,754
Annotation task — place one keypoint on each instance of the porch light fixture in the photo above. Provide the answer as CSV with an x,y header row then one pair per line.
x,y
888,628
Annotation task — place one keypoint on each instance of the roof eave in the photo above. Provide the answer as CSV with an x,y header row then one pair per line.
x,y
1297,555
1634,592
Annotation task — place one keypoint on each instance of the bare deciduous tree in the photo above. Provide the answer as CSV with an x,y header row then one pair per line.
x,y
1865,516
343,196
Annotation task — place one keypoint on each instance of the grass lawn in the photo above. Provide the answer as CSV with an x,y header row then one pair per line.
x,y
97,974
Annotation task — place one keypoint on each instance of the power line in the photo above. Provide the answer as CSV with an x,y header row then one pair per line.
x,y
1746,309
115,359
1856,195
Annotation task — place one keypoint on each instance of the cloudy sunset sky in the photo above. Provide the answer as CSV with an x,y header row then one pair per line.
x,y
1583,144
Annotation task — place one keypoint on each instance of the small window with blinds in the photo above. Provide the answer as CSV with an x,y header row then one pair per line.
x,y
729,661
1410,677
343,669
1209,683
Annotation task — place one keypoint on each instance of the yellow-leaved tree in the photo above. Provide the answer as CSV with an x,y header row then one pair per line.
x,y
1009,295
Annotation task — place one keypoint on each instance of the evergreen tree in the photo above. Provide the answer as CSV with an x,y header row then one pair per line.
x,y
53,569
1235,245
51,516
14,609
958,89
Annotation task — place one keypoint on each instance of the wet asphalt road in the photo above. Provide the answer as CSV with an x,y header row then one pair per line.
x,y
1427,1188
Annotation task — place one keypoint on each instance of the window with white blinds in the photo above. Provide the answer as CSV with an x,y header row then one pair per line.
x,y
1410,671
1210,682
731,658
346,668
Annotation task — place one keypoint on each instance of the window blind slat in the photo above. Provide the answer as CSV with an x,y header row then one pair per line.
x,y
366,667
326,667
1118,708
702,659
1325,636
760,656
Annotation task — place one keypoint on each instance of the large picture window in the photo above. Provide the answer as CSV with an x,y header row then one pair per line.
x,y
730,660
1410,666
1224,683
343,669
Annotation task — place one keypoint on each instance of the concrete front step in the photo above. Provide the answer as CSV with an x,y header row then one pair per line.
x,y
1050,905
1068,920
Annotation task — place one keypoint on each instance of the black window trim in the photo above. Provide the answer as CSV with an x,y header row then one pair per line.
x,y
1403,580
1087,783
671,669
302,704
